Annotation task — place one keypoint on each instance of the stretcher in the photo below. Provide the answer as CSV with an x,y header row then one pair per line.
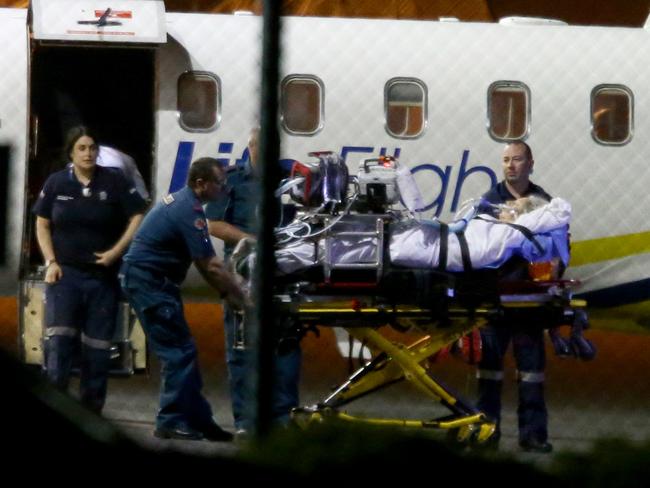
x,y
366,298
335,270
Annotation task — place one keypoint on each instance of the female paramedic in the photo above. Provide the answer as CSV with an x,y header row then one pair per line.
x,y
86,216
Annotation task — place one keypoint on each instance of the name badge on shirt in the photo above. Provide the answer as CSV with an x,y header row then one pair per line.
x,y
65,198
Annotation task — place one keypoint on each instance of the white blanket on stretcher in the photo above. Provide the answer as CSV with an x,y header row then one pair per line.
x,y
416,244
490,242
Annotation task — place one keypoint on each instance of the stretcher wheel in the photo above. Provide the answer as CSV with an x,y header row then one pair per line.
x,y
453,436
484,433
303,417
472,434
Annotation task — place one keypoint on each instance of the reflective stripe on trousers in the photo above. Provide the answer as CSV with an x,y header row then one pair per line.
x,y
489,374
530,376
60,331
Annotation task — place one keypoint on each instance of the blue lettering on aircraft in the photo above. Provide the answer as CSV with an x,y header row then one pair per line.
x,y
225,148
244,157
345,150
186,149
396,153
445,176
181,166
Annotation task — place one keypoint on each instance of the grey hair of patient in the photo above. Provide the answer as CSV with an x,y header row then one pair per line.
x,y
533,202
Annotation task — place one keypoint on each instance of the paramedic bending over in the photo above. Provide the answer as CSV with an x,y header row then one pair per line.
x,y
86,216
528,345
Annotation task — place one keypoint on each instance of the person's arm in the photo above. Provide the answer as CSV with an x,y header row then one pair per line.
x,y
53,272
114,158
217,276
228,233
134,176
219,215
141,186
108,257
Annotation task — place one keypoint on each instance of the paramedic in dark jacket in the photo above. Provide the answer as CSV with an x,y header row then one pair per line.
x,y
232,218
86,216
528,345
172,236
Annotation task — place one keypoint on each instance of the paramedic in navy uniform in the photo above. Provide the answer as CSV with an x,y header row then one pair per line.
x,y
172,236
528,345
86,216
232,218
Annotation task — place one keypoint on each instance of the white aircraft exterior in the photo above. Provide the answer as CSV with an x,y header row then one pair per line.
x,y
442,96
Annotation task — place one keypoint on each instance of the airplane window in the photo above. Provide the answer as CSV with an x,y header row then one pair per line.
x,y
508,110
405,107
199,101
611,114
302,107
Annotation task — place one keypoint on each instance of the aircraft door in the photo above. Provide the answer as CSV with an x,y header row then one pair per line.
x,y
13,130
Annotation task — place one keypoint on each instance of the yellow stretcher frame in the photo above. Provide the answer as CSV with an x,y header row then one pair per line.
x,y
393,361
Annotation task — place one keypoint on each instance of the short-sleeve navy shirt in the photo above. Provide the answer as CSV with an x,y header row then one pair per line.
x,y
238,206
86,220
171,236
500,194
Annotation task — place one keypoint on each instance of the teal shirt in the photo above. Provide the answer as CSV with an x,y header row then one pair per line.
x,y
171,236
238,206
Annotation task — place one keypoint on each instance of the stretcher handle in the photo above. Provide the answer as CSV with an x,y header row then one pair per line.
x,y
382,159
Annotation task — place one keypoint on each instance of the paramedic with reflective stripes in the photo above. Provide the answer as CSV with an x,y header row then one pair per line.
x,y
86,216
528,344
172,236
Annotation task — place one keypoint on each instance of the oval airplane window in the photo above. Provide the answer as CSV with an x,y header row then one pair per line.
x,y
198,101
302,107
405,107
612,114
508,110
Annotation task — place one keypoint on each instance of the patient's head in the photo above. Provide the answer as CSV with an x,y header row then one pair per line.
x,y
512,209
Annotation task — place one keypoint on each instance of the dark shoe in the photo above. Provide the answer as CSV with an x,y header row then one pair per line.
x,y
183,433
214,433
533,445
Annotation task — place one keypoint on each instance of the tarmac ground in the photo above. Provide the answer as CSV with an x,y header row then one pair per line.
x,y
587,401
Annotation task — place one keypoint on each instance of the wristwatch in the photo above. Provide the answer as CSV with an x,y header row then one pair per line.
x,y
49,261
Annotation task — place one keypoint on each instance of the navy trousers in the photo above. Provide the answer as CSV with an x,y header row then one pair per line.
x,y
286,376
158,305
528,349
81,308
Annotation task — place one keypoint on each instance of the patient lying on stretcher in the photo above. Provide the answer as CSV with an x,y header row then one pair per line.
x,y
531,228
512,210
